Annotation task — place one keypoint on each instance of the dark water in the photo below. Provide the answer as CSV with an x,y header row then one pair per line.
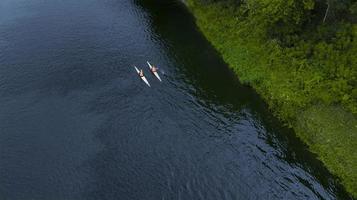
x,y
76,122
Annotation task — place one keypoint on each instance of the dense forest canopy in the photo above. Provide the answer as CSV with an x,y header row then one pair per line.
x,y
317,36
297,11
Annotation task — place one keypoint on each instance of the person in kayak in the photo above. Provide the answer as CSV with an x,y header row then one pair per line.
x,y
141,73
154,69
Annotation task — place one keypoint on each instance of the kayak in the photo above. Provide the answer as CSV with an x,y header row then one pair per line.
x,y
155,73
142,77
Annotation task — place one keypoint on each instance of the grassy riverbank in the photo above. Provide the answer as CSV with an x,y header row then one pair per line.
x,y
301,61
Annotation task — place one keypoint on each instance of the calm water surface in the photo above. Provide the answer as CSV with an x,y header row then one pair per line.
x,y
76,122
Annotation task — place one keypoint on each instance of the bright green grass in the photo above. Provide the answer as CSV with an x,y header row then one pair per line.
x,y
298,92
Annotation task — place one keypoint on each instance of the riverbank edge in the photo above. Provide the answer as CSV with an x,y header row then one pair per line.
x,y
327,130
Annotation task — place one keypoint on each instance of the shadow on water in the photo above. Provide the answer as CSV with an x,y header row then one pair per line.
x,y
217,85
71,100
142,157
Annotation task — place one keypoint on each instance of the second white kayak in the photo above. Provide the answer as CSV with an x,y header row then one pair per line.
x,y
142,77
155,73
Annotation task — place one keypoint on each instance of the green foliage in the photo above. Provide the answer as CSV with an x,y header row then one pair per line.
x,y
353,8
294,60
330,130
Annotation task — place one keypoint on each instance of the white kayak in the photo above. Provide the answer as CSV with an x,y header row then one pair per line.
x,y
142,77
155,73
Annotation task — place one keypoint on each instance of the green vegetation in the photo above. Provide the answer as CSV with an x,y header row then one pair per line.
x,y
301,56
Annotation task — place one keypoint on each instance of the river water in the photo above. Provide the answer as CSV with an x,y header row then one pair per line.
x,y
76,122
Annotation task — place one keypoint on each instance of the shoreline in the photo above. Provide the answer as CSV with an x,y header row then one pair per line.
x,y
329,131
